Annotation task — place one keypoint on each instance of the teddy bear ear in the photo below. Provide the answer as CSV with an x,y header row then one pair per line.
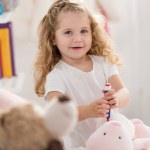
x,y
8,99
60,116
55,145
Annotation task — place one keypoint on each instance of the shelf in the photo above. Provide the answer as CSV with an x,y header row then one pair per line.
x,y
5,17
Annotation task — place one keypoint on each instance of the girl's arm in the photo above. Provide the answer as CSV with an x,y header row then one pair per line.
x,y
121,92
98,108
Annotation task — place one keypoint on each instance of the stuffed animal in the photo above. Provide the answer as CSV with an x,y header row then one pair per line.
x,y
128,123
113,135
141,130
116,135
141,144
115,115
26,126
9,5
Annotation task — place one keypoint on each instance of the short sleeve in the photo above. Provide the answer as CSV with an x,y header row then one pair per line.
x,y
112,70
108,68
54,82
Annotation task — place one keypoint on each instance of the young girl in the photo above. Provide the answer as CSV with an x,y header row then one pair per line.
x,y
76,58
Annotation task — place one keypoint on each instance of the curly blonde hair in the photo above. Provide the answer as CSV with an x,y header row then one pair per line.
x,y
49,54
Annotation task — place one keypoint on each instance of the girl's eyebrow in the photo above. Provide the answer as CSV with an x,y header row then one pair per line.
x,y
80,28
85,28
67,29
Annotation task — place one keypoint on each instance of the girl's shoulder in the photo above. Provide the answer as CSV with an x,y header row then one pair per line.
x,y
59,70
56,71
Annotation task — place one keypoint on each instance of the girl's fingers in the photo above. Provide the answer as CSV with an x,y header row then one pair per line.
x,y
112,91
113,102
110,97
114,106
102,113
100,102
103,106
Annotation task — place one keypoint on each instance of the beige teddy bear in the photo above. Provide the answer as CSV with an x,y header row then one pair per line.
x,y
26,126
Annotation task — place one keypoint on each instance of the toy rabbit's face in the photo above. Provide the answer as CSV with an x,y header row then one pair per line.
x,y
111,136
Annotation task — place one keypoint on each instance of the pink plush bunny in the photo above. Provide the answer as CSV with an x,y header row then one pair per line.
x,y
141,130
114,135
111,136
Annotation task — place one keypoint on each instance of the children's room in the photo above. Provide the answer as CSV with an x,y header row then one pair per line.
x,y
127,26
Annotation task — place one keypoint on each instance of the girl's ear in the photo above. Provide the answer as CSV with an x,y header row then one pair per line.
x,y
54,43
8,99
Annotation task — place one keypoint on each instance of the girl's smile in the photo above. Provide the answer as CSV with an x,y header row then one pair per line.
x,y
77,48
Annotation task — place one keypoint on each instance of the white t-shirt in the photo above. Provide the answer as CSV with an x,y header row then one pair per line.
x,y
83,88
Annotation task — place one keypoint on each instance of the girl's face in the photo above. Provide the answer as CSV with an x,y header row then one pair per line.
x,y
73,36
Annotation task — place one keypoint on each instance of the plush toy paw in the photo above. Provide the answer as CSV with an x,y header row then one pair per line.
x,y
141,130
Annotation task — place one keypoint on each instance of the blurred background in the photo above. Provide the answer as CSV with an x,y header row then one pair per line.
x,y
129,27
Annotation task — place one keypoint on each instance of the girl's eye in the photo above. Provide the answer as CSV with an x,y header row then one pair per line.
x,y
84,31
68,32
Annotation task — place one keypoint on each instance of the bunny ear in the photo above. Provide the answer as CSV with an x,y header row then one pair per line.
x,y
8,99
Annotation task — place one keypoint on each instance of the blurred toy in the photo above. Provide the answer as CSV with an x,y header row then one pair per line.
x,y
116,116
111,11
141,130
1,9
26,126
114,135
9,5
120,133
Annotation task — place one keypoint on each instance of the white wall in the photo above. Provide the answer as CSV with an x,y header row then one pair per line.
x,y
131,36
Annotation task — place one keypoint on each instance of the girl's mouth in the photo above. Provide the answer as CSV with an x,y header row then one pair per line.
x,y
76,48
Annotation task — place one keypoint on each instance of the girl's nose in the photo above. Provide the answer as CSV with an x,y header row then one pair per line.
x,y
77,38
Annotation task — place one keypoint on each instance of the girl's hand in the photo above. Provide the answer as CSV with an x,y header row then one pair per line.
x,y
111,98
98,108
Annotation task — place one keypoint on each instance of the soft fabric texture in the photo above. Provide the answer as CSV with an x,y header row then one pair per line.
x,y
111,136
127,123
120,134
115,115
27,126
76,83
141,130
